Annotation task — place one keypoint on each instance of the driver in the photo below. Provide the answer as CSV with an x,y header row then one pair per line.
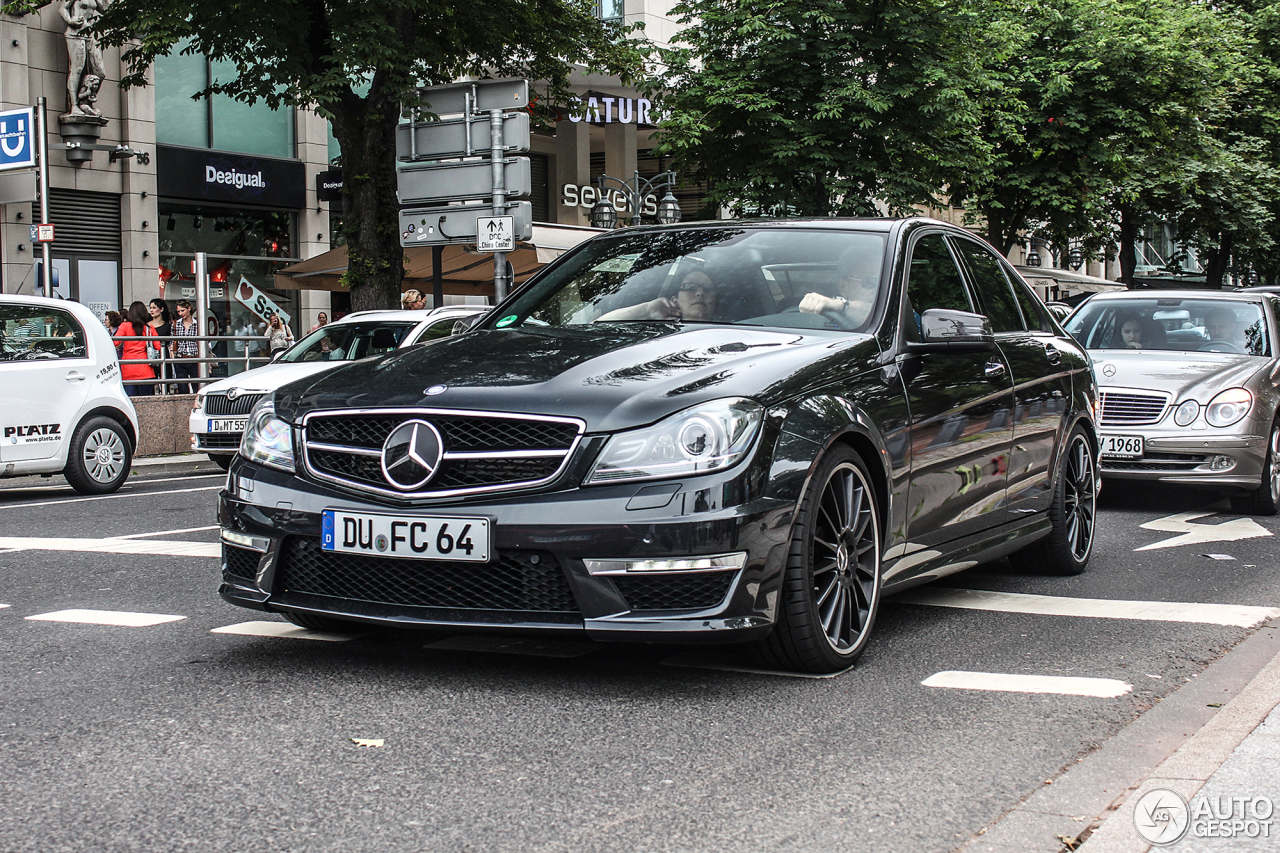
x,y
858,272
1222,325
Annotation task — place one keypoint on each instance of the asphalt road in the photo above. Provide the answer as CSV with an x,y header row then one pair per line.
x,y
172,737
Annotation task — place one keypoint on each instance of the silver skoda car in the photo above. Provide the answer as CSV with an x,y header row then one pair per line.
x,y
1189,385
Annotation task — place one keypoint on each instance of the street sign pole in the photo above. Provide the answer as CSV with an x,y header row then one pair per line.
x,y
42,147
501,278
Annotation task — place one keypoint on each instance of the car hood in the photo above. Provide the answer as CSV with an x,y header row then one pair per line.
x,y
269,377
1184,375
612,377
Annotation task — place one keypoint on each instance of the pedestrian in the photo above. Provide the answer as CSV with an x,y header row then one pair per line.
x,y
185,353
218,349
322,320
278,335
413,300
132,335
161,323
112,321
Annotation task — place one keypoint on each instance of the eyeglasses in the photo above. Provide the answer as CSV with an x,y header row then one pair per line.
x,y
706,289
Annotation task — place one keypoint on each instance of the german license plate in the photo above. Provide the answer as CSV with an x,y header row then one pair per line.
x,y
1122,446
227,424
414,537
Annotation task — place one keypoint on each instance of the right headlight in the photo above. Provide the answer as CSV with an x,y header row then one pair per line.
x,y
267,438
700,439
1228,407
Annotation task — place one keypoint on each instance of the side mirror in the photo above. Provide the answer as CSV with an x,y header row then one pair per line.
x,y
945,330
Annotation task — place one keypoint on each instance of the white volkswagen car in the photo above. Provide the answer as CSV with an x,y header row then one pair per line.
x,y
63,408
222,408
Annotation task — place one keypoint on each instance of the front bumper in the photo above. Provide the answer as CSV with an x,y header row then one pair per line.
x,y
212,442
1231,461
538,578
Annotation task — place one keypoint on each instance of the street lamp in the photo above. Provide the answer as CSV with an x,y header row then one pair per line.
x,y
605,215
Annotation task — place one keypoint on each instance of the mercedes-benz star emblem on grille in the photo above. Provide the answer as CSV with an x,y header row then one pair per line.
x,y
411,454
436,389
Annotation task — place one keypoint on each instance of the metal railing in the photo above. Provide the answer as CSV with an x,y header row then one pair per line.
x,y
166,382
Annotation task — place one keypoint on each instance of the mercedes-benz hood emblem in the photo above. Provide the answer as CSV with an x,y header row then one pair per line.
x,y
411,454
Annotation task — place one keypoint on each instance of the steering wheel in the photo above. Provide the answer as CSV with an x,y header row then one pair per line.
x,y
836,318
1220,346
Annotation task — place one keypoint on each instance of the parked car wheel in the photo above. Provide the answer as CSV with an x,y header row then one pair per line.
x,y
223,462
312,622
100,457
1066,550
1265,500
831,585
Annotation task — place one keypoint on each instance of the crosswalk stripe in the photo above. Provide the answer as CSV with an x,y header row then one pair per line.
x,y
169,548
120,618
1105,688
112,497
283,629
1237,615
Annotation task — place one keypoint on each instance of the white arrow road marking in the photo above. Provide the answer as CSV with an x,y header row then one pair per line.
x,y
1197,534
1237,615
106,617
1105,688
167,548
284,629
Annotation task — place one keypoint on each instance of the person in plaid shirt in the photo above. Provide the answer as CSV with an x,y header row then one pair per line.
x,y
180,350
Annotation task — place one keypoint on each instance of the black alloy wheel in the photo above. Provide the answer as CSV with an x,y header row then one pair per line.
x,y
1265,500
1072,515
831,584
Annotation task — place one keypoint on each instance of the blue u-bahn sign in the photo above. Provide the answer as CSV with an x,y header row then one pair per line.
x,y
17,139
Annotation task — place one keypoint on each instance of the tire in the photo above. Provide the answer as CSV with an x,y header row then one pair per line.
x,y
222,461
99,458
314,622
831,584
1265,500
1072,515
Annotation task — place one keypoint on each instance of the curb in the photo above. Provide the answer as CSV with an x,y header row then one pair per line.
x,y
175,464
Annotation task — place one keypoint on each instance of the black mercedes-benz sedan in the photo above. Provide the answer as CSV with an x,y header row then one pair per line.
x,y
729,432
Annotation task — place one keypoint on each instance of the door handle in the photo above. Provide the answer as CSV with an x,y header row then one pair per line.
x,y
994,371
1051,351
75,376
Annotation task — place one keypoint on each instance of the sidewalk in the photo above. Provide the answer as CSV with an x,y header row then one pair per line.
x,y
175,464
1191,744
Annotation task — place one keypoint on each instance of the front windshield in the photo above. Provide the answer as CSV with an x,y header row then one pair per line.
x,y
1188,325
733,275
349,341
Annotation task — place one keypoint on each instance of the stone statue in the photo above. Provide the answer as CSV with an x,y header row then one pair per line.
x,y
84,58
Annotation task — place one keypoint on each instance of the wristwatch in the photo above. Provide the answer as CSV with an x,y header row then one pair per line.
x,y
844,305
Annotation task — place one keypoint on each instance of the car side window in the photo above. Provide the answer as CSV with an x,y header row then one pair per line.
x,y
1035,312
993,287
35,332
437,330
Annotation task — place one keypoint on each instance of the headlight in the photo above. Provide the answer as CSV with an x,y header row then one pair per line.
x,y
268,439
1228,407
1186,413
199,402
704,438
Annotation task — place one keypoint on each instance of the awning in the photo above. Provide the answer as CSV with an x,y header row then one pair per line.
x,y
1067,280
465,271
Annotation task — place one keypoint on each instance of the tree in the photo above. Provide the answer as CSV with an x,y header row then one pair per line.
x,y
823,107
357,62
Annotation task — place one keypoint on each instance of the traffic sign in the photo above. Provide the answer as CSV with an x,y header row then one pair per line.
x,y
42,233
17,139
433,226
496,234
459,181
440,140
489,95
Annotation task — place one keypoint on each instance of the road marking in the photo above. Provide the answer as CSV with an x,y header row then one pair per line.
x,y
282,629
109,497
1198,534
168,532
3,606
106,617
1237,615
165,548
139,481
509,646
1103,688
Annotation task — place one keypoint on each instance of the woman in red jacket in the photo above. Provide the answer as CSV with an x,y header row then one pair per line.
x,y
132,334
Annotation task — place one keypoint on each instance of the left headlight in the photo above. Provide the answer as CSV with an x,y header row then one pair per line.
x,y
268,439
704,438
198,403
1228,407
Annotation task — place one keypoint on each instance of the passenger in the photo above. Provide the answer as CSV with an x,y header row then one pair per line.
x,y
1131,333
693,299
858,281
1222,325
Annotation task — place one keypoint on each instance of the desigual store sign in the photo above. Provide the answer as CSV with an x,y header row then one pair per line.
x,y
221,176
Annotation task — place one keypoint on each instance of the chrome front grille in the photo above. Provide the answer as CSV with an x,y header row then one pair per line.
x,y
482,451
221,404
1130,408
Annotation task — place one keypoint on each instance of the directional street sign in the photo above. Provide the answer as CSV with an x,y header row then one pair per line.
x,y
440,140
460,181
496,234
490,95
17,139
433,226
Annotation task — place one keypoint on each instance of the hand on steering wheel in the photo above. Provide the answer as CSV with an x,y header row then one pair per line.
x,y
1220,346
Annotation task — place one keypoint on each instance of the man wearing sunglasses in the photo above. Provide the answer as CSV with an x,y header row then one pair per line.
x,y
858,272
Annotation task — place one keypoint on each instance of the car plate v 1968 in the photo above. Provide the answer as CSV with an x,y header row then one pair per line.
x,y
414,537
1121,446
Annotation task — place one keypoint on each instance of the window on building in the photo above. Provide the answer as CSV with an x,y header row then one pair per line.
x,y
609,10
